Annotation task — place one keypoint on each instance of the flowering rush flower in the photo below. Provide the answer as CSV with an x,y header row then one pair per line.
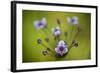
x,y
56,31
73,20
40,24
61,48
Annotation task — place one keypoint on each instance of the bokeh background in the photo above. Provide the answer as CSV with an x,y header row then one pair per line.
x,y
32,52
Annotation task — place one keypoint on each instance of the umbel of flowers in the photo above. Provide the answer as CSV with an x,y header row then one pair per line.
x,y
62,47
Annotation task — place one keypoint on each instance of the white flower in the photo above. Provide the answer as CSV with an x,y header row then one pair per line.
x,y
73,20
40,24
56,31
61,48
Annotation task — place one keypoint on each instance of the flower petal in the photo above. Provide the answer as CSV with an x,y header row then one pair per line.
x,y
53,29
36,24
44,22
61,42
57,27
75,20
65,50
68,19
57,33
57,50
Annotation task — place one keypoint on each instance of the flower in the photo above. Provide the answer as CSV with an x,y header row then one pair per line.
x,y
61,48
73,20
40,24
56,31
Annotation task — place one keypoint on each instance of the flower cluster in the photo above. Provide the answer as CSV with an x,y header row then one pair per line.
x,y
62,47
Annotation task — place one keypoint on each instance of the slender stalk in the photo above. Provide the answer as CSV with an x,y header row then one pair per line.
x,y
46,47
50,37
69,48
70,35
77,33
66,36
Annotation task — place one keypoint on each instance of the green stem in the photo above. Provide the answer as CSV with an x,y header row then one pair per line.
x,y
47,47
69,48
77,33
70,35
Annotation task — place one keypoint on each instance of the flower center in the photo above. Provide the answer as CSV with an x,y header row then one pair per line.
x,y
40,23
56,30
61,48
73,20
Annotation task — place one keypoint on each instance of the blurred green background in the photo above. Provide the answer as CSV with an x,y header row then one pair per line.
x,y
32,52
